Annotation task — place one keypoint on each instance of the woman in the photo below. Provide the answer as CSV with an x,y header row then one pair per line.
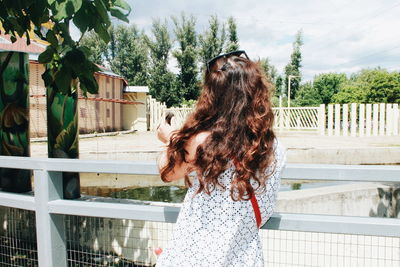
x,y
229,143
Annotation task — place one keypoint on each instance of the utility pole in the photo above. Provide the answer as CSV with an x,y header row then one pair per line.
x,y
289,77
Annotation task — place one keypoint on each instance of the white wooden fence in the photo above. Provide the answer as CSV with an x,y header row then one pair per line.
x,y
363,119
332,120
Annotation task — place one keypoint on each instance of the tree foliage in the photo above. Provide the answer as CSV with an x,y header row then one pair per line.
x,y
233,39
187,56
293,67
370,86
162,82
98,48
65,59
307,96
328,84
269,70
212,41
128,56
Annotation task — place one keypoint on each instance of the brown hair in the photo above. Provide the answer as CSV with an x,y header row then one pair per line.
x,y
235,108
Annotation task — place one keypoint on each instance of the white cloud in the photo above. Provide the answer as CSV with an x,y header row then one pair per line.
x,y
339,35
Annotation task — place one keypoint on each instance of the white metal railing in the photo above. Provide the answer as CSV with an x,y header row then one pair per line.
x,y
333,119
48,204
298,118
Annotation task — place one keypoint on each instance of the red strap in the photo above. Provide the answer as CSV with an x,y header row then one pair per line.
x,y
256,209
254,202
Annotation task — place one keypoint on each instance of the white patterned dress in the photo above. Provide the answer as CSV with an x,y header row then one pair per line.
x,y
213,230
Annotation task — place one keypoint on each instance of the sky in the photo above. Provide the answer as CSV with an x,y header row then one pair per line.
x,y
339,36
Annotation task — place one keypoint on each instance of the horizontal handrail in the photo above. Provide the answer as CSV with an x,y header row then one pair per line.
x,y
292,171
168,214
47,202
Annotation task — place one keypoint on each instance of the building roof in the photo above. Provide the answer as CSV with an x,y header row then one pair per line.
x,y
20,45
136,89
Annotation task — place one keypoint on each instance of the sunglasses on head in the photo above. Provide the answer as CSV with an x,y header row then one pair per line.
x,y
237,53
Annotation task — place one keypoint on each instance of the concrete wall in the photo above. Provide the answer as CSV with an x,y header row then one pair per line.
x,y
134,115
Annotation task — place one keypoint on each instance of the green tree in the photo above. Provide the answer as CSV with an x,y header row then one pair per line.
x,y
129,57
162,82
293,67
233,39
370,86
307,96
186,56
65,58
269,70
212,41
279,85
328,84
98,48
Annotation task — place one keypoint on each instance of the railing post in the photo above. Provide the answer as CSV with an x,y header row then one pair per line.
x,y
345,119
321,119
330,120
396,119
381,119
50,228
337,119
361,122
368,110
353,120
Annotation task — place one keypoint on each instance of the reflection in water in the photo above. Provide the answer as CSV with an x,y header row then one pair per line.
x,y
296,186
171,194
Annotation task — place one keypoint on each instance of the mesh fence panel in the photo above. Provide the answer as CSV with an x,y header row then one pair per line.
x,y
93,241
292,248
17,237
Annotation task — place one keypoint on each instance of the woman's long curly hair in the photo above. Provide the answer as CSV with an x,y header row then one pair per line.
x,y
235,107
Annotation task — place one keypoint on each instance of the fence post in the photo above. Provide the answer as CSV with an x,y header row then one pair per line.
x,y
50,228
396,119
337,119
389,119
280,118
368,120
382,119
321,119
330,120
345,119
353,126
361,120
375,119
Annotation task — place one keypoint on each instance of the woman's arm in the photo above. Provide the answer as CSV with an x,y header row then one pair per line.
x,y
182,169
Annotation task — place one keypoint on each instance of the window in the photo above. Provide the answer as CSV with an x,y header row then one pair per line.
x,y
108,113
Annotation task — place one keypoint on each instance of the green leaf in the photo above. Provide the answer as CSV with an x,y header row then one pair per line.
x,y
82,20
51,38
63,80
115,12
102,10
47,78
47,55
124,5
66,9
102,32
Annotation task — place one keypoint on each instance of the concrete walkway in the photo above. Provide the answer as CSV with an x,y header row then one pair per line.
x,y
303,147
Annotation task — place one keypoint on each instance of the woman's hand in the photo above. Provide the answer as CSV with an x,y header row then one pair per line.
x,y
165,130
